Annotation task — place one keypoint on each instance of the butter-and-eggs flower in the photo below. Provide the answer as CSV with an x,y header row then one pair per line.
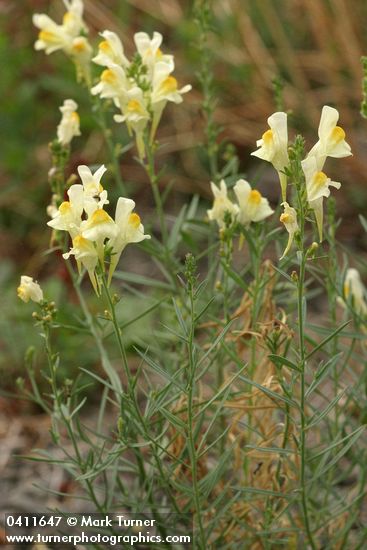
x,y
110,51
129,229
136,116
113,84
150,52
289,219
29,289
253,207
354,292
68,36
221,204
317,187
164,89
86,255
273,147
331,138
69,214
69,126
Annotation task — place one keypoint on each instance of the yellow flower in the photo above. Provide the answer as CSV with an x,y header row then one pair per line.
x,y
52,37
129,230
86,255
69,37
354,292
136,116
164,89
150,52
91,182
289,219
221,204
113,84
97,228
273,147
29,290
69,214
253,207
317,186
70,122
110,51
81,53
331,138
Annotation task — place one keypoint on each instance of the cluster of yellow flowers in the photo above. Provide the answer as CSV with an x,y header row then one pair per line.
x,y
70,37
91,228
273,147
250,207
140,88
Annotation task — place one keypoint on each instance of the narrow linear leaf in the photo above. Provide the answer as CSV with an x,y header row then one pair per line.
x,y
279,361
141,280
321,373
78,407
173,419
270,393
222,389
174,237
277,450
325,465
327,339
284,274
179,317
165,375
257,491
216,342
318,417
333,445
234,276
204,309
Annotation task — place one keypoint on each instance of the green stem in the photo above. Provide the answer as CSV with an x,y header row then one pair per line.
x,y
190,427
65,419
153,178
144,428
108,368
97,108
303,442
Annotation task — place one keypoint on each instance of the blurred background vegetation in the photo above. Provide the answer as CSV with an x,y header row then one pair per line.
x,y
312,46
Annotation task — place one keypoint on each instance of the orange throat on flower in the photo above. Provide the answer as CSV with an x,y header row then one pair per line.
x,y
108,77
105,47
21,292
98,217
285,218
135,106
268,137
254,198
79,45
64,208
75,117
48,37
169,85
337,135
319,179
134,220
